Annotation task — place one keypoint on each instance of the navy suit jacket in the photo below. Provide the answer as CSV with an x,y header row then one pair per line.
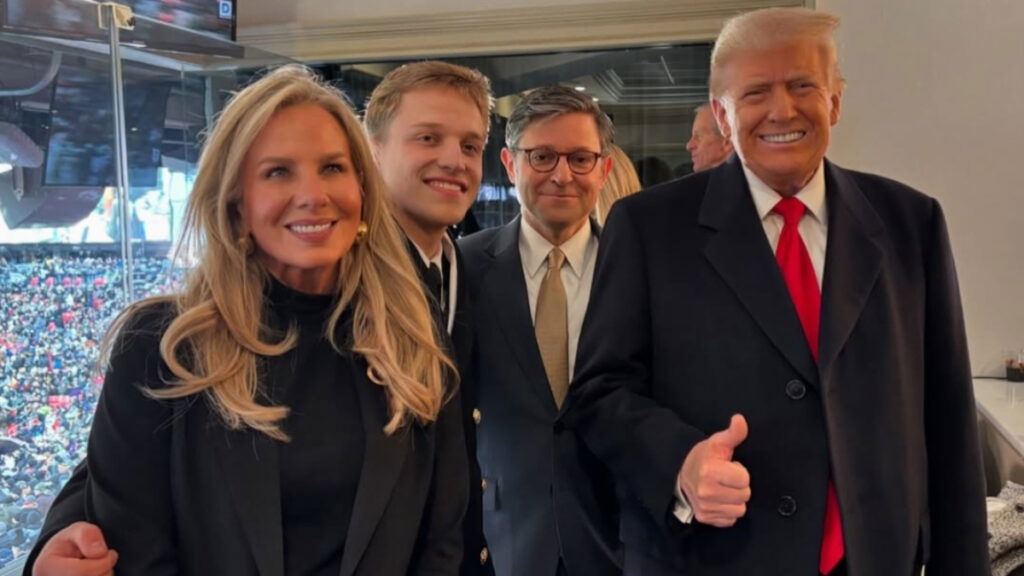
x,y
690,322
462,343
547,496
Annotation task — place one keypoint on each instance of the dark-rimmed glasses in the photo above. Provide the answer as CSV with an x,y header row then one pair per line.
x,y
545,159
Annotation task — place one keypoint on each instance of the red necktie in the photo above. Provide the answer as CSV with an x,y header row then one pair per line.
x,y
798,272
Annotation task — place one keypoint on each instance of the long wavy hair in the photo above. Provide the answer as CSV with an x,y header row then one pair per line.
x,y
219,325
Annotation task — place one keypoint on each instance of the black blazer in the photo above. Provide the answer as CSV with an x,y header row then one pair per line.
x,y
69,507
477,560
175,492
547,496
690,322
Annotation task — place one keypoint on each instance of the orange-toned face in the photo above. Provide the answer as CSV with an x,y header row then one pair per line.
x,y
778,108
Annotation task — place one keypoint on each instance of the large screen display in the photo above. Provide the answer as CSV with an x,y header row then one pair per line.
x,y
80,148
77,18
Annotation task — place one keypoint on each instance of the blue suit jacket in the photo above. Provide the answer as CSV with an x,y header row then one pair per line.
x,y
547,496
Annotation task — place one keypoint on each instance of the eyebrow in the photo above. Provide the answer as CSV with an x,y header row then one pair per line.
x,y
339,155
443,126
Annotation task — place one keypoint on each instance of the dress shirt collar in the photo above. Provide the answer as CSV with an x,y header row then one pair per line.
x,y
447,250
812,195
534,248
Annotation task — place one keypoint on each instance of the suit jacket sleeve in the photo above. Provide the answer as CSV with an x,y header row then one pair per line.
x,y
128,489
440,540
67,508
956,489
611,404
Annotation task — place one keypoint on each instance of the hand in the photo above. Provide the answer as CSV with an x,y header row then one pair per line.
x,y
77,550
717,488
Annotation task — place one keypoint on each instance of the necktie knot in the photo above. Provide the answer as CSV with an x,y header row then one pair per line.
x,y
791,210
555,259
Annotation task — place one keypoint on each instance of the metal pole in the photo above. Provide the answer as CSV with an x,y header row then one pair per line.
x,y
121,147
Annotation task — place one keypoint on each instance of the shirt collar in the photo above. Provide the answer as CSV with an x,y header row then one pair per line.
x,y
812,195
534,248
447,250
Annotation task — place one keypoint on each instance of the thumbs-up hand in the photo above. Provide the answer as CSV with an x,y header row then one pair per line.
x,y
717,488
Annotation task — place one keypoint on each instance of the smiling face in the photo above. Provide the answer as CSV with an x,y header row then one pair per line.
x,y
431,159
778,108
301,198
557,203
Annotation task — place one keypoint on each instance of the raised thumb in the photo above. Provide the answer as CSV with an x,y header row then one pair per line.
x,y
723,443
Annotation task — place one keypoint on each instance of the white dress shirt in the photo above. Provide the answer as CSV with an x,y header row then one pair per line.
x,y
577,274
448,251
814,233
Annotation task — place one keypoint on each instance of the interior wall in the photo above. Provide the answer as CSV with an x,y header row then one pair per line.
x,y
933,100
267,12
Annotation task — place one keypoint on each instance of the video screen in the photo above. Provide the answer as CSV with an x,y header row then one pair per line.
x,y
76,18
80,149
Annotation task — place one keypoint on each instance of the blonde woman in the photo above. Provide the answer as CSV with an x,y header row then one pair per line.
x,y
622,181
291,411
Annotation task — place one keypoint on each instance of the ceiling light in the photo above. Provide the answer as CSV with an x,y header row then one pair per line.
x,y
581,88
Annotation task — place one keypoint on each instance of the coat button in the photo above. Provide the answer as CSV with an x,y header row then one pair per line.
x,y
796,389
483,484
484,555
477,416
787,506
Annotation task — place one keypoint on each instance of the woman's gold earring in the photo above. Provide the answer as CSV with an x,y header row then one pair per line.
x,y
245,245
361,232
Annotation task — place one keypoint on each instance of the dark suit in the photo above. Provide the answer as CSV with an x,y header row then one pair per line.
x,y
477,560
176,492
547,497
690,322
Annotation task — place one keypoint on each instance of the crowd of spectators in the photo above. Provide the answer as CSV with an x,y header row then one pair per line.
x,y
54,309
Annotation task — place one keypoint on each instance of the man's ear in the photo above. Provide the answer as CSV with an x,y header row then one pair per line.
x,y
606,168
508,158
837,100
722,118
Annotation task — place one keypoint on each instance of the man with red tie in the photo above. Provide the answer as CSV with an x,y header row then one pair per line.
x,y
773,363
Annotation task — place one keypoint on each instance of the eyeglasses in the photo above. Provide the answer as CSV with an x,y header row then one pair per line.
x,y
545,159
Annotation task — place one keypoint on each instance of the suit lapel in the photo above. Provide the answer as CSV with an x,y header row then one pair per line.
x,y
506,288
462,328
382,465
249,466
853,261
740,253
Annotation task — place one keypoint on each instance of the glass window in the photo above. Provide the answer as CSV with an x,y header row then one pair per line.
x,y
649,93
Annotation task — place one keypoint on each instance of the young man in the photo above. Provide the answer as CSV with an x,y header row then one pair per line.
x,y
428,123
549,508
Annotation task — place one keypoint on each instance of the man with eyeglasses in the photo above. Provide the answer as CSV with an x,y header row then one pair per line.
x,y
550,507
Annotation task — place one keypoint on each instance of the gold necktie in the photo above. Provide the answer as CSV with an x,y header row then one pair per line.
x,y
552,327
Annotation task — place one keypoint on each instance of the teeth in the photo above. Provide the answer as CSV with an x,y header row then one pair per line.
x,y
446,186
783,138
310,228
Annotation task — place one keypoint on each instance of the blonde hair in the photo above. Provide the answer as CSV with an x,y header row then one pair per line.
x,y
384,101
622,181
220,326
772,27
